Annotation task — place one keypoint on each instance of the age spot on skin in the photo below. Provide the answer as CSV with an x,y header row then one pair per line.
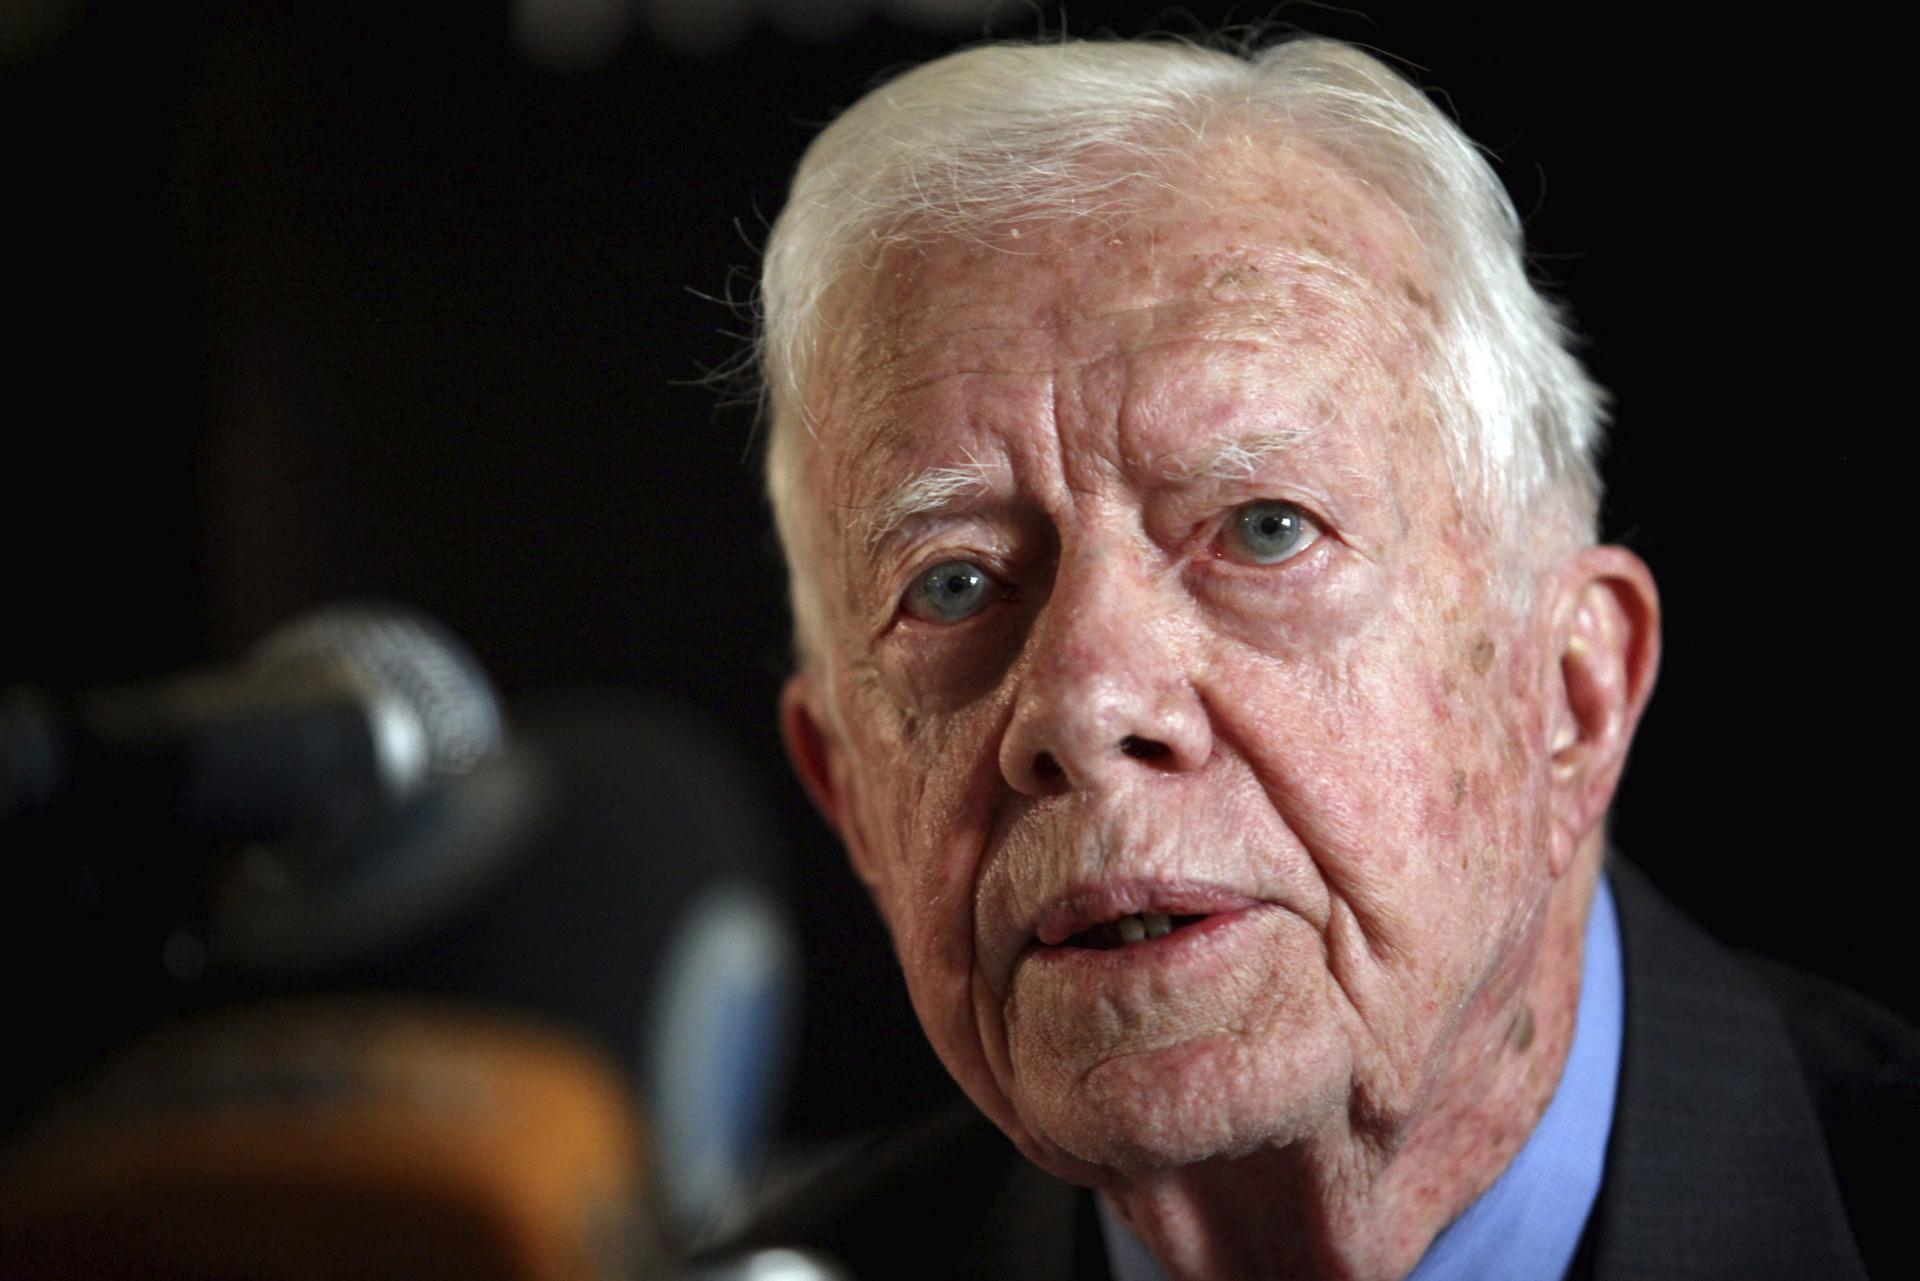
x,y
1520,1035
1459,787
1481,655
1422,299
1235,276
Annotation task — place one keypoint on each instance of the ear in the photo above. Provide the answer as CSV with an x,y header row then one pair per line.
x,y
1607,636
821,759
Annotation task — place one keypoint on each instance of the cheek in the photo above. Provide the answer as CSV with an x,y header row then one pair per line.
x,y
928,779
1401,761
1471,767
1482,810
931,823
1485,705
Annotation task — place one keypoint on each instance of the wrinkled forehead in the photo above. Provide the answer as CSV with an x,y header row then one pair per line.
x,y
1271,249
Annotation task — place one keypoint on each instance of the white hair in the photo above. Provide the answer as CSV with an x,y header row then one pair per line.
x,y
1003,136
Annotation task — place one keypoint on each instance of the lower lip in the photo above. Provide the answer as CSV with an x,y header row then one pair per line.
x,y
1197,939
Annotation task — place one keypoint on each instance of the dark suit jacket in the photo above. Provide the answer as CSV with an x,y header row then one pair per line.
x,y
1759,1116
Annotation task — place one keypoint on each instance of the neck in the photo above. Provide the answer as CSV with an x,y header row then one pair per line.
x,y
1364,1199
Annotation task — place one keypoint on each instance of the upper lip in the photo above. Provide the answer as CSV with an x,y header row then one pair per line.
x,y
1084,906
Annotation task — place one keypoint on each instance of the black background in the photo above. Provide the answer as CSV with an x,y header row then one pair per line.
x,y
337,301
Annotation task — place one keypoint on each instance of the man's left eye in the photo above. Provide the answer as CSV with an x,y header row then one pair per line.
x,y
1267,531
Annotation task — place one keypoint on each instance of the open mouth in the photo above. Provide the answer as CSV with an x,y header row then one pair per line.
x,y
1157,917
1129,929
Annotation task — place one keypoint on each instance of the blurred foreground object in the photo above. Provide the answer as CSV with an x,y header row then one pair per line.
x,y
607,871
333,1139
328,723
770,1265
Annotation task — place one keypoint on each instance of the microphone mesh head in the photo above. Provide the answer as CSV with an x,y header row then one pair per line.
x,y
402,655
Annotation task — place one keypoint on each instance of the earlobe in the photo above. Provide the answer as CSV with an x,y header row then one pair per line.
x,y
820,759
1608,641
804,735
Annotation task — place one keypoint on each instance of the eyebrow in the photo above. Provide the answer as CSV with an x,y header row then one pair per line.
x,y
937,488
1237,457
931,491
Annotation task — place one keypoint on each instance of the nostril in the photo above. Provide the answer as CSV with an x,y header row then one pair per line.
x,y
1045,767
1144,749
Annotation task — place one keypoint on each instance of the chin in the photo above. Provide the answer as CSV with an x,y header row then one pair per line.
x,y
1200,1101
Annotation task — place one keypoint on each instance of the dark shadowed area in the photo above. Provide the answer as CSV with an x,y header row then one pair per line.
x,y
366,301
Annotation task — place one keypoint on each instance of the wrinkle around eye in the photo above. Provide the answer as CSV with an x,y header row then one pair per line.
x,y
935,668
1011,549
999,587
1296,582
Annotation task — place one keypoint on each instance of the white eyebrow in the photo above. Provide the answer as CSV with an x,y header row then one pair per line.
x,y
930,491
1237,459
937,487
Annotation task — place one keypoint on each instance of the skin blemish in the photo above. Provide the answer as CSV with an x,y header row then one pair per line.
x,y
1459,787
1235,275
1481,655
1520,1035
1421,298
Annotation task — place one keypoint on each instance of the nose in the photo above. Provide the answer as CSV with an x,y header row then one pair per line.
x,y
1104,693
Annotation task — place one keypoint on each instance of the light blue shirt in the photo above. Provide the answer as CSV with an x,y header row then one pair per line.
x,y
1528,1224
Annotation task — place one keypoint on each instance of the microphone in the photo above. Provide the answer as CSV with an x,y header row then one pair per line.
x,y
335,1137
325,798
605,876
330,720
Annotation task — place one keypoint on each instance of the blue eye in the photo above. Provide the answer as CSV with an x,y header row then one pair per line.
x,y
1268,531
949,592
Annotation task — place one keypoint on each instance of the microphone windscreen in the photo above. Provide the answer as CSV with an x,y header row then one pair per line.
x,y
336,1138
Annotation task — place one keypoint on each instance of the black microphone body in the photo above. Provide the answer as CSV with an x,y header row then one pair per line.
x,y
143,827
328,721
255,754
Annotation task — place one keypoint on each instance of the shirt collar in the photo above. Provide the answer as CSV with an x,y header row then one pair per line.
x,y
1528,1224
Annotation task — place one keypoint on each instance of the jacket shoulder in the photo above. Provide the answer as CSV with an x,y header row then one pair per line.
x,y
1861,1066
1753,1104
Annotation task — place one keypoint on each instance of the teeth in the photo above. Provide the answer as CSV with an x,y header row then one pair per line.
x,y
1129,929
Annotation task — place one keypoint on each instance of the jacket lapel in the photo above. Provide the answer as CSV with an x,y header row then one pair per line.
x,y
1717,1166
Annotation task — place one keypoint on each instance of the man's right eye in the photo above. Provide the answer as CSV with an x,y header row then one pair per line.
x,y
950,592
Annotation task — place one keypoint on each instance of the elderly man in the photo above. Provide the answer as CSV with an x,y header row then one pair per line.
x,y
1207,661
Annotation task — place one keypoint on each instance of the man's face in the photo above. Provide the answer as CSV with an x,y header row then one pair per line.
x,y
1166,705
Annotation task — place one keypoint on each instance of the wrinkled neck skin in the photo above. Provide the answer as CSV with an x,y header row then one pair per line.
x,y
1363,1199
